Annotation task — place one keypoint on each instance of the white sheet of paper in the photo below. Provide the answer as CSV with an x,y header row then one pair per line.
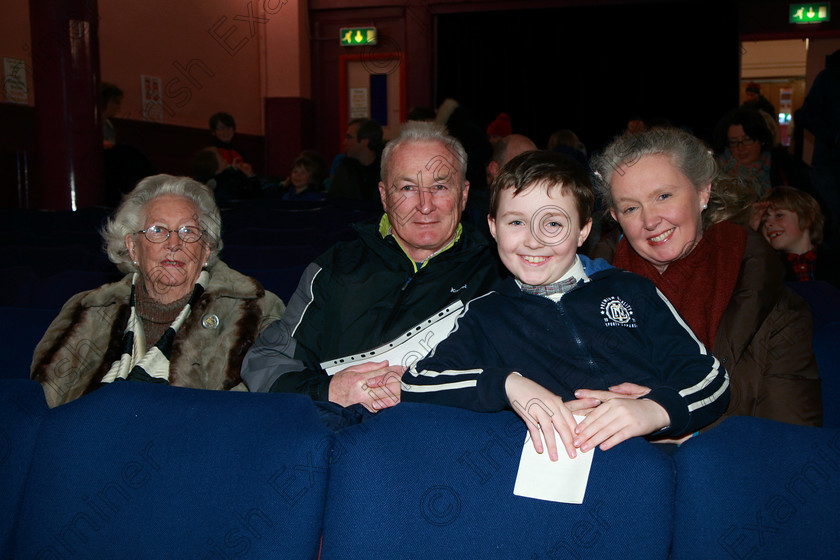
x,y
563,480
408,348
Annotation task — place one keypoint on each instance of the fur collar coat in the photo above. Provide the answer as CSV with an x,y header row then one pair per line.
x,y
84,340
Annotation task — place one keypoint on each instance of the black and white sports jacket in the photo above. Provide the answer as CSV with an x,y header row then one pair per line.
x,y
616,327
359,295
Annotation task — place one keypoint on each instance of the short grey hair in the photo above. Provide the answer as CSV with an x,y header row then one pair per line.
x,y
428,132
130,215
689,154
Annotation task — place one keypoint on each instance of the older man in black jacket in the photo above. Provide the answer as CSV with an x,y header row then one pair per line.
x,y
392,287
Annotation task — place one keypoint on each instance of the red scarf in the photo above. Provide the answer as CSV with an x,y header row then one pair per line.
x,y
700,284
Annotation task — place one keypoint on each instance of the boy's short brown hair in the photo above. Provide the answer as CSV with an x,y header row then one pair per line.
x,y
551,169
803,205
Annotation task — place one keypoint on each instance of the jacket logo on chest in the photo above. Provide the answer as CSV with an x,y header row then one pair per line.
x,y
617,313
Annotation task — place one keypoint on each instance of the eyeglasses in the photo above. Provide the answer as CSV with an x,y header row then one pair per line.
x,y
746,141
159,234
414,190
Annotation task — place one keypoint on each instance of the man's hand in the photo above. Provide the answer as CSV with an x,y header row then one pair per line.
x,y
374,385
543,411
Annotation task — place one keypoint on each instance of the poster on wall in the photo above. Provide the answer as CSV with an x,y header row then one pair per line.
x,y
16,89
152,101
359,103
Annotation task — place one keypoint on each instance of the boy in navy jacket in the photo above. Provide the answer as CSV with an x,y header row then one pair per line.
x,y
563,323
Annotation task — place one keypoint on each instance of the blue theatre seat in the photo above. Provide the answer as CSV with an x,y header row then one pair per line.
x,y
46,261
59,238
756,488
53,291
16,285
138,470
42,221
268,235
240,257
21,329
424,481
264,216
827,351
22,407
280,281
824,300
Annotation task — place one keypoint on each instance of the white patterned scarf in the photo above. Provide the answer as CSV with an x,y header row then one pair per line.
x,y
138,364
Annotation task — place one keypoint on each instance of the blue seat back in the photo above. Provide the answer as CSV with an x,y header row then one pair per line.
x,y
822,297
16,285
52,292
424,481
22,406
153,471
824,300
243,257
280,281
20,331
756,488
827,352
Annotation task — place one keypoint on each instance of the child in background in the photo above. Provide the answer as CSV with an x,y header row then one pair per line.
x,y
227,183
564,323
306,179
793,225
223,127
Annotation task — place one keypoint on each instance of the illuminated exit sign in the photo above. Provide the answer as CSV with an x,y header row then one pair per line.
x,y
810,13
358,37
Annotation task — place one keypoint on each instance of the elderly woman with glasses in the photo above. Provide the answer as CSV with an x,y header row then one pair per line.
x,y
180,316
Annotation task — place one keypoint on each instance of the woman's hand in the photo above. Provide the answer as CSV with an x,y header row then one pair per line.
x,y
542,411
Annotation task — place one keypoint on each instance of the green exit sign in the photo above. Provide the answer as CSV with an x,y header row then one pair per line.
x,y
810,13
358,36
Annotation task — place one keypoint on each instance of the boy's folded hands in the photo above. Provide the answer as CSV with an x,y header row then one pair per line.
x,y
542,411
611,416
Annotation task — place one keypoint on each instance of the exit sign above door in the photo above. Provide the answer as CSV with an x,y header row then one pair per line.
x,y
358,36
810,13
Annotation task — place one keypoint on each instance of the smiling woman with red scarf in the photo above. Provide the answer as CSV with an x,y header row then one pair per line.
x,y
723,278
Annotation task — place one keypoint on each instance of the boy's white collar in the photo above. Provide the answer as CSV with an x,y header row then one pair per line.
x,y
576,272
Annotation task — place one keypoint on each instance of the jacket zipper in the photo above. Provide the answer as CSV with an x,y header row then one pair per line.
x,y
593,367
398,303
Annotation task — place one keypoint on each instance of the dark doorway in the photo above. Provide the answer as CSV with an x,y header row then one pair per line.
x,y
591,68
